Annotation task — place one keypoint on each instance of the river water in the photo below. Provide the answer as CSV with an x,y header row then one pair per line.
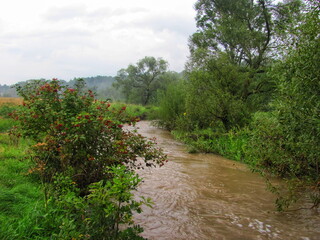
x,y
204,196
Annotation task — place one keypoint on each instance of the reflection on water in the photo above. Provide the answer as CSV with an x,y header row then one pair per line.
x,y
204,196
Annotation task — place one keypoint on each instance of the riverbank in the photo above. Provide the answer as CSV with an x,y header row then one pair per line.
x,y
204,196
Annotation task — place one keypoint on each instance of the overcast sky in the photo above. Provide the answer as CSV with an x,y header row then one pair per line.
x,y
77,38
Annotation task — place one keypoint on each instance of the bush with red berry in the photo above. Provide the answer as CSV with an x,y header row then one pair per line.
x,y
77,134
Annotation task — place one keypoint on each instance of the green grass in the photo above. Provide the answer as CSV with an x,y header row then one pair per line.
x,y
6,124
231,145
21,198
7,108
134,110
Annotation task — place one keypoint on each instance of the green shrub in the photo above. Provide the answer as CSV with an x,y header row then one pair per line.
x,y
102,214
231,145
136,111
266,148
77,138
171,110
77,134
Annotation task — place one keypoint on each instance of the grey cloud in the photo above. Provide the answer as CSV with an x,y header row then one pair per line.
x,y
1,25
42,45
72,12
105,13
180,25
117,12
48,34
65,13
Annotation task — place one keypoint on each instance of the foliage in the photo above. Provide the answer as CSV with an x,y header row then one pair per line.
x,y
100,214
6,123
232,145
77,134
252,90
297,104
285,142
214,98
244,29
140,82
6,109
298,98
266,148
136,111
66,214
245,36
77,138
171,102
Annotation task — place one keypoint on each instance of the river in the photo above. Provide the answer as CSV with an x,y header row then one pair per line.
x,y
205,196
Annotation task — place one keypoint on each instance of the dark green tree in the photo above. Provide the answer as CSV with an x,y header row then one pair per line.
x,y
140,82
231,53
245,29
249,32
286,141
298,98
171,101
214,96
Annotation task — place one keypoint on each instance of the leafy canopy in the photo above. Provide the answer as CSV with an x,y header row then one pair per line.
x,y
140,82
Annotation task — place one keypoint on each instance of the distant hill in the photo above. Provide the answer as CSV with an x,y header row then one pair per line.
x,y
7,91
101,85
96,82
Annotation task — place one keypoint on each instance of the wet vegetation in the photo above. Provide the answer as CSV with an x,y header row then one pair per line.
x,y
250,92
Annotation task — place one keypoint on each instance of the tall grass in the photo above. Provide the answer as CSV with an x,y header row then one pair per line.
x,y
6,122
231,145
20,194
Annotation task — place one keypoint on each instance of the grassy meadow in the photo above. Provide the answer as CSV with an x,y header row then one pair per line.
x,y
21,197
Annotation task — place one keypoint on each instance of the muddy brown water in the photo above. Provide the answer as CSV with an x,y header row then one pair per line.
x,y
204,196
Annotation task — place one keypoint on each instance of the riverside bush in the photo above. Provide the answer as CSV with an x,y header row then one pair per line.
x,y
171,112
231,145
77,134
77,139
100,214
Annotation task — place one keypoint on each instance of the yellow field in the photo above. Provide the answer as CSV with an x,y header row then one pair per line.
x,y
16,101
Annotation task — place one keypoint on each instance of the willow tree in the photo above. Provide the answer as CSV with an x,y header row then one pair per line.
x,y
244,35
286,142
245,29
140,82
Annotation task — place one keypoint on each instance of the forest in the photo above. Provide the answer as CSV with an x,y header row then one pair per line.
x,y
250,92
